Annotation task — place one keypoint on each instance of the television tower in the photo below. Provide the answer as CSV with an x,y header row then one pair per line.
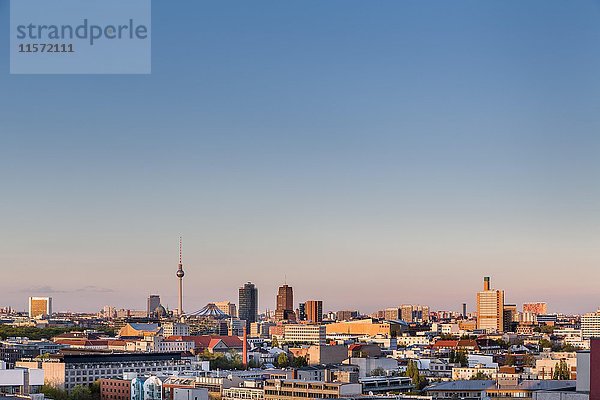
x,y
180,275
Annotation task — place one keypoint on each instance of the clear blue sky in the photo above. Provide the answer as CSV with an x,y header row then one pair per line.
x,y
373,152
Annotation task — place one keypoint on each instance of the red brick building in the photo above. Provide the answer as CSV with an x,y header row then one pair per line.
x,y
115,389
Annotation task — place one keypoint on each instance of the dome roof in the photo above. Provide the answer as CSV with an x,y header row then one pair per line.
x,y
160,311
211,311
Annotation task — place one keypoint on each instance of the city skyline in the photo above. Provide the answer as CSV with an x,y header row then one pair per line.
x,y
266,299
400,151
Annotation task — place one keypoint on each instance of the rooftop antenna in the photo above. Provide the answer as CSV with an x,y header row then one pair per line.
x,y
180,251
180,275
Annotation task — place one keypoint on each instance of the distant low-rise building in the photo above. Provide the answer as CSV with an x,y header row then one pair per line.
x,y
20,381
368,365
407,341
247,390
14,349
260,329
467,373
386,384
66,371
502,387
368,327
139,330
299,333
546,365
322,354
291,389
590,325
466,389
212,343
175,329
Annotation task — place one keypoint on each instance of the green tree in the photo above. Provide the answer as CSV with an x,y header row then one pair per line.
x,y
510,360
54,392
561,371
569,348
253,363
274,342
418,380
547,329
528,360
95,389
461,358
33,332
480,376
231,360
452,358
81,392
283,360
545,344
299,362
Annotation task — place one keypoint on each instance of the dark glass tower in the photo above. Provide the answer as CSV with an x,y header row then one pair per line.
x,y
248,304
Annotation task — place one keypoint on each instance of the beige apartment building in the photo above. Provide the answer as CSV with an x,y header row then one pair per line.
x,y
490,308
312,334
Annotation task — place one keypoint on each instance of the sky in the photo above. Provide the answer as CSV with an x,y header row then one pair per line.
x,y
368,153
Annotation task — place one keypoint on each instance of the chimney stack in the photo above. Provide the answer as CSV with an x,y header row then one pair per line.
x,y
245,348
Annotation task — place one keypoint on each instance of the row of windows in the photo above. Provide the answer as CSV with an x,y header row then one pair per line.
x,y
511,394
465,395
121,365
112,390
304,386
231,394
91,376
310,395
120,371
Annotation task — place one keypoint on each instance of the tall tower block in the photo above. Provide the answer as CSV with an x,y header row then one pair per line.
x,y
180,275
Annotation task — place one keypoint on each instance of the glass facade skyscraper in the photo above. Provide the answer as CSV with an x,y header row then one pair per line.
x,y
248,304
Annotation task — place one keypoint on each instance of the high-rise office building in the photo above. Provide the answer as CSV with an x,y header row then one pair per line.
x,y
392,313
414,313
406,313
302,312
40,307
511,317
490,308
285,304
153,304
248,304
535,308
421,313
314,310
